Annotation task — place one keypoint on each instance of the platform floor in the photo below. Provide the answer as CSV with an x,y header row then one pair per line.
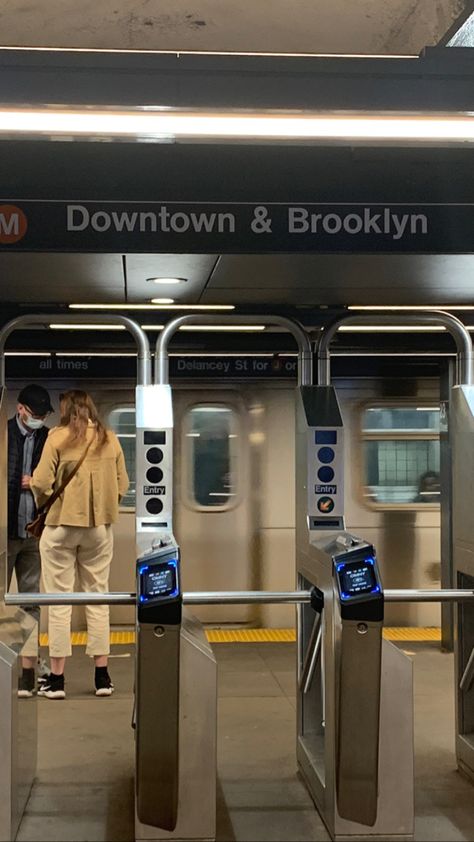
x,y
84,788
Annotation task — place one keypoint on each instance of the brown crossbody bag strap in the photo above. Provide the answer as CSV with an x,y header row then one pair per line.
x,y
54,496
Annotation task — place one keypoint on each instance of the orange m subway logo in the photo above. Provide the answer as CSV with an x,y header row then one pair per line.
x,y
13,224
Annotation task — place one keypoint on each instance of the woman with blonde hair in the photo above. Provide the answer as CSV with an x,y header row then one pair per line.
x,y
85,461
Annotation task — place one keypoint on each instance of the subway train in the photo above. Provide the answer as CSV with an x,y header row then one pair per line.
x,y
234,486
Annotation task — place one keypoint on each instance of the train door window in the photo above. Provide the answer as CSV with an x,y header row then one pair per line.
x,y
211,436
401,455
122,422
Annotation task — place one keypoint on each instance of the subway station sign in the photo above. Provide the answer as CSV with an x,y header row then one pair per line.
x,y
233,227
82,367
234,199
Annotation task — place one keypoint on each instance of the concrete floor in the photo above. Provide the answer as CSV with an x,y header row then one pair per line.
x,y
84,788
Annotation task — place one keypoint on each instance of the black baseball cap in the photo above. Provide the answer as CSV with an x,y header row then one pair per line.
x,y
36,398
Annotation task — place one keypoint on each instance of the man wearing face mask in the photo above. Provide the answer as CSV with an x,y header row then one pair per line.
x,y
26,437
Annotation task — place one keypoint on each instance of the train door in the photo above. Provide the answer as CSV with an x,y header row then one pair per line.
x,y
214,521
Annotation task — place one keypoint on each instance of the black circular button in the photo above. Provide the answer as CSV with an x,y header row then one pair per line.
x,y
154,505
154,475
154,455
325,474
326,455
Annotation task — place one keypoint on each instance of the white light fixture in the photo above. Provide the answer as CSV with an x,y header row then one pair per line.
x,y
27,354
391,329
230,328
158,301
395,307
66,326
167,281
217,328
156,304
165,124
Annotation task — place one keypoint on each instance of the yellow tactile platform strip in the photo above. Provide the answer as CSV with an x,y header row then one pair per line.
x,y
403,633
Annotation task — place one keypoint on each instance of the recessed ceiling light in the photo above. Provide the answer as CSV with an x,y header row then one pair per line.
x,y
162,300
235,328
167,280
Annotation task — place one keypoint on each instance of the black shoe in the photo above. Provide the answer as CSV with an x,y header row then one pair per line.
x,y
103,683
54,687
26,684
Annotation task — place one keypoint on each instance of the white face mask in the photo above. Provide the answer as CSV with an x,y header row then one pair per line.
x,y
34,423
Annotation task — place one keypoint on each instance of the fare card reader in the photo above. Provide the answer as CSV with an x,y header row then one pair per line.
x,y
361,610
157,686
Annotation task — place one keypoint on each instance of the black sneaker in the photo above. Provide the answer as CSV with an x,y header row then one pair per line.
x,y
54,687
26,684
103,684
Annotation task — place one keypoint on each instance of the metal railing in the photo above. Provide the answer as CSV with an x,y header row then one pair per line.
x,y
305,354
230,597
141,339
461,336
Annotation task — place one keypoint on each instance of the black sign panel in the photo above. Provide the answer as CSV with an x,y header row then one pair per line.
x,y
67,368
206,227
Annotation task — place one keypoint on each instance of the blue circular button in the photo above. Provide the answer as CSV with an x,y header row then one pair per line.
x,y
326,474
326,455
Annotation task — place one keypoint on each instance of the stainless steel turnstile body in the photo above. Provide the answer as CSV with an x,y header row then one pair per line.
x,y
197,740
318,717
383,670
461,421
18,723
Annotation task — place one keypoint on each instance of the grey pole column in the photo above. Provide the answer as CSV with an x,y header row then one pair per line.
x,y
305,355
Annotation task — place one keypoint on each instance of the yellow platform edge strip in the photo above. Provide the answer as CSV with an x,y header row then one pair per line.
x,y
123,638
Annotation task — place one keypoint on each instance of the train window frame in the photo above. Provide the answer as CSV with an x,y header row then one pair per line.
x,y
187,473
124,408
397,434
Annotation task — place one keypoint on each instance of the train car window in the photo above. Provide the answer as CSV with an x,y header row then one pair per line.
x,y
211,439
122,422
401,455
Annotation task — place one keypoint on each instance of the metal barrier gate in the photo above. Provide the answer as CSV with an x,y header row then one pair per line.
x,y
341,747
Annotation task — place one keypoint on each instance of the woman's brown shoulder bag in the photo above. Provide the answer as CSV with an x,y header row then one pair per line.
x,y
36,527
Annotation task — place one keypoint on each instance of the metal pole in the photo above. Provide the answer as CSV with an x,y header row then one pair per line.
x,y
197,598
228,597
141,339
312,655
305,357
428,595
464,373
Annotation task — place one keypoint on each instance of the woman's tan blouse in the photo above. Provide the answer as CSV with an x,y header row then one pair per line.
x,y
93,495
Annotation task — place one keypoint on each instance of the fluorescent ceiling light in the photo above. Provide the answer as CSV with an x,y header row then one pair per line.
x,y
162,300
95,354
27,354
167,280
153,306
393,354
395,307
156,302
427,408
235,328
66,326
391,328
181,125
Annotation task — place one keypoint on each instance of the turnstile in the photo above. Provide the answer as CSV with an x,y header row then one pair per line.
x,y
355,699
176,709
